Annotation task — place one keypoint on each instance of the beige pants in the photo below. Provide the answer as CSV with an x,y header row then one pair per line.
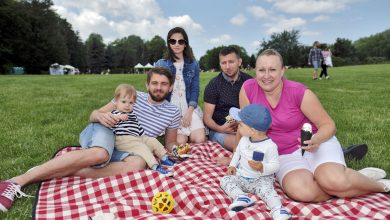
x,y
143,146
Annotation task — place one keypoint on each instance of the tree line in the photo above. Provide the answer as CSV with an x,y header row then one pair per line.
x,y
34,36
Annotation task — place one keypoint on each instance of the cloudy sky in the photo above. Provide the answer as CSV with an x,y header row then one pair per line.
x,y
211,23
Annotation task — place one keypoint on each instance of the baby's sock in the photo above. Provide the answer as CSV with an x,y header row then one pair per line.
x,y
154,167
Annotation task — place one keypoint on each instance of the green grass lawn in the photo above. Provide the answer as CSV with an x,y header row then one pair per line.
x,y
40,114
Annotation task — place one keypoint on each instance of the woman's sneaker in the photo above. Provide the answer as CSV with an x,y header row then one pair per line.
x,y
373,173
280,213
163,171
240,203
8,191
386,185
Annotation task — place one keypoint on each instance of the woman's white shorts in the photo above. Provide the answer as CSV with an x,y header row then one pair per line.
x,y
329,151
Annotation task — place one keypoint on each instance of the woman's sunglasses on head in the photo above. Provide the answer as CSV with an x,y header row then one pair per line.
x,y
173,41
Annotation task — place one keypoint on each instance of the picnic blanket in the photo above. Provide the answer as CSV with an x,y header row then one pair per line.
x,y
196,192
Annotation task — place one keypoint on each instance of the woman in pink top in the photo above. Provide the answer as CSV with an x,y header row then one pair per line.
x,y
321,172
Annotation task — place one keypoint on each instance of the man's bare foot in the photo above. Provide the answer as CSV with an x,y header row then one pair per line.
x,y
223,160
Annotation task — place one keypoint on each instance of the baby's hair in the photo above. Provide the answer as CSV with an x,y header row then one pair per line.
x,y
125,89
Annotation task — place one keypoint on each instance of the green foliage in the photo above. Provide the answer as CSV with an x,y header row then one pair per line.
x,y
95,52
34,36
343,48
377,45
155,49
286,43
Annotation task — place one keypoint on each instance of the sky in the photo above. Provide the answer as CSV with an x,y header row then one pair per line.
x,y
212,23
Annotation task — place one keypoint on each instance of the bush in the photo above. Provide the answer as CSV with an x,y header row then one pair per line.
x,y
375,60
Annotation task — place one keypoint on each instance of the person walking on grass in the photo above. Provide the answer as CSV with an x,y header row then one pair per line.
x,y
315,57
326,61
98,158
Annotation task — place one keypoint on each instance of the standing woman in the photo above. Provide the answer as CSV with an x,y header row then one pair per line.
x,y
181,63
327,61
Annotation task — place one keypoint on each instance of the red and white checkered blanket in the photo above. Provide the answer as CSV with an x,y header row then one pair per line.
x,y
195,189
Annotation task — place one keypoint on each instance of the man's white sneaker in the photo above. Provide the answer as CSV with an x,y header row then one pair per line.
x,y
280,213
240,203
373,173
386,184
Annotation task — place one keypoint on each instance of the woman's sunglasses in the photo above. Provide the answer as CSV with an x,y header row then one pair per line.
x,y
173,41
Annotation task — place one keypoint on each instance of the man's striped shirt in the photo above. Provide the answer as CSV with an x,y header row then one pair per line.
x,y
155,119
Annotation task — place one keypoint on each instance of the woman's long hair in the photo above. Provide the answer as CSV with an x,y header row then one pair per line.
x,y
187,53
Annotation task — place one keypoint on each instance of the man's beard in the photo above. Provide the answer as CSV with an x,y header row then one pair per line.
x,y
157,98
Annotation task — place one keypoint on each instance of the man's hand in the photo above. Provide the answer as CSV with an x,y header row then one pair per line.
x,y
256,165
107,119
229,128
123,117
231,171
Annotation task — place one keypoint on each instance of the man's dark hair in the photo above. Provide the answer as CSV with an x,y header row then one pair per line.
x,y
228,50
160,71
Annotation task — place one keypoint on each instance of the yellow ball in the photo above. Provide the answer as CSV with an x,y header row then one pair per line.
x,y
163,202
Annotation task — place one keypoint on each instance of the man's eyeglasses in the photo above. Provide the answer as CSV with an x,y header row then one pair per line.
x,y
173,41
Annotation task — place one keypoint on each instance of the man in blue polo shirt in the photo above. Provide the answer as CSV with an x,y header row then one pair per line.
x,y
220,95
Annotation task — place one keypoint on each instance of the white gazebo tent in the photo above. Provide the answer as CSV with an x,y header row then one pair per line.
x,y
149,66
138,66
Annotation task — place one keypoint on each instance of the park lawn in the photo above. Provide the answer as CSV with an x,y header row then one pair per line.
x,y
40,114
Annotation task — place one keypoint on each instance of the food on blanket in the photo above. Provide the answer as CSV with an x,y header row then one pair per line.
x,y
229,119
163,202
306,133
182,150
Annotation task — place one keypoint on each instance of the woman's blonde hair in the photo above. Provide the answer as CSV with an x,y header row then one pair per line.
x,y
271,52
125,89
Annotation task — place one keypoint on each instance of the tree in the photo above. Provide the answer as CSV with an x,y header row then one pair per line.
x,y
343,48
154,49
128,51
377,45
95,53
34,36
286,43
252,61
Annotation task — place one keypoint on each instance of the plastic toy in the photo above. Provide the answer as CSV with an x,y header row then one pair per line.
x,y
163,202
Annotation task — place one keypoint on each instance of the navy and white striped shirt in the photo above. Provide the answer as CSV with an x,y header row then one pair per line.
x,y
155,119
128,127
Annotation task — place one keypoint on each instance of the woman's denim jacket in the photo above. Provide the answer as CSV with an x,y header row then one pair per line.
x,y
190,75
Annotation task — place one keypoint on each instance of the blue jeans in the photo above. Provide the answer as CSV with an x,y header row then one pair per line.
x,y
217,137
97,135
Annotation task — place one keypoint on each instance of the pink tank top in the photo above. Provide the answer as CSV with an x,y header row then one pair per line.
x,y
287,117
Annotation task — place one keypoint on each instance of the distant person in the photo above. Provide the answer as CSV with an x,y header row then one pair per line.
x,y
326,61
254,163
320,172
185,70
315,57
98,158
129,134
220,94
